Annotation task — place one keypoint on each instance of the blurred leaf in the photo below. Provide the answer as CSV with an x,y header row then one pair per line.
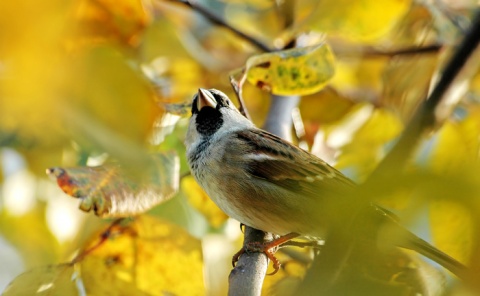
x,y
200,200
31,236
298,71
365,20
252,15
148,256
46,280
359,78
106,88
175,81
45,89
452,229
451,223
416,28
464,136
113,191
325,107
407,81
99,21
368,144
31,59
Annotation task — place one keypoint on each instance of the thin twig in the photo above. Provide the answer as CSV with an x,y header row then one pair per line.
x,y
373,52
237,88
219,21
103,238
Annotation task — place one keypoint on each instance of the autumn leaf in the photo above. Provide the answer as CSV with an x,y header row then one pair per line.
x,y
106,20
298,71
112,191
46,280
144,257
365,20
147,256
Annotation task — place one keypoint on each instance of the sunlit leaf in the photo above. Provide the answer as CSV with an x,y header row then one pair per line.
x,y
407,81
298,71
32,239
451,223
369,142
31,59
452,229
47,280
175,81
105,87
200,200
149,256
107,21
252,15
110,190
416,28
365,20
359,78
325,107
464,137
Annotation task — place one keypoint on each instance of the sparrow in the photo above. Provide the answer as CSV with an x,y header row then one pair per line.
x,y
272,185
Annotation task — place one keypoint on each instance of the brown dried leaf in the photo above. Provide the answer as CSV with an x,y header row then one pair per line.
x,y
113,191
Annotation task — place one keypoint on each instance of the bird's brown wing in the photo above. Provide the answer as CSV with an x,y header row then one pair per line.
x,y
273,159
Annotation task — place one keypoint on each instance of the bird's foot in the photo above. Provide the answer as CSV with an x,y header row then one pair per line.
x,y
268,248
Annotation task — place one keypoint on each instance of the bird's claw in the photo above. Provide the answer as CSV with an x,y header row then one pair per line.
x,y
257,247
268,249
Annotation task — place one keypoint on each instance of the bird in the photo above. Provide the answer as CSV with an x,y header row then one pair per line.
x,y
270,184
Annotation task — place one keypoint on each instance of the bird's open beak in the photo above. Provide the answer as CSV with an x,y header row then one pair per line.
x,y
205,98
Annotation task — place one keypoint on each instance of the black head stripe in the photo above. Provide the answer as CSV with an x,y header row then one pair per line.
x,y
208,121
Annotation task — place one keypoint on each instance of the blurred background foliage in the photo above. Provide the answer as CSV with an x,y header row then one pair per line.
x,y
101,82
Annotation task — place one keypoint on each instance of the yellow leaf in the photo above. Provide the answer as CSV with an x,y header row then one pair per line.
x,y
407,81
354,74
461,137
148,256
368,144
452,228
175,79
107,21
325,107
46,280
298,71
362,20
200,200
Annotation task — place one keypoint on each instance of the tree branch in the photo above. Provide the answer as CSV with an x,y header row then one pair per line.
x,y
219,21
246,278
342,51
